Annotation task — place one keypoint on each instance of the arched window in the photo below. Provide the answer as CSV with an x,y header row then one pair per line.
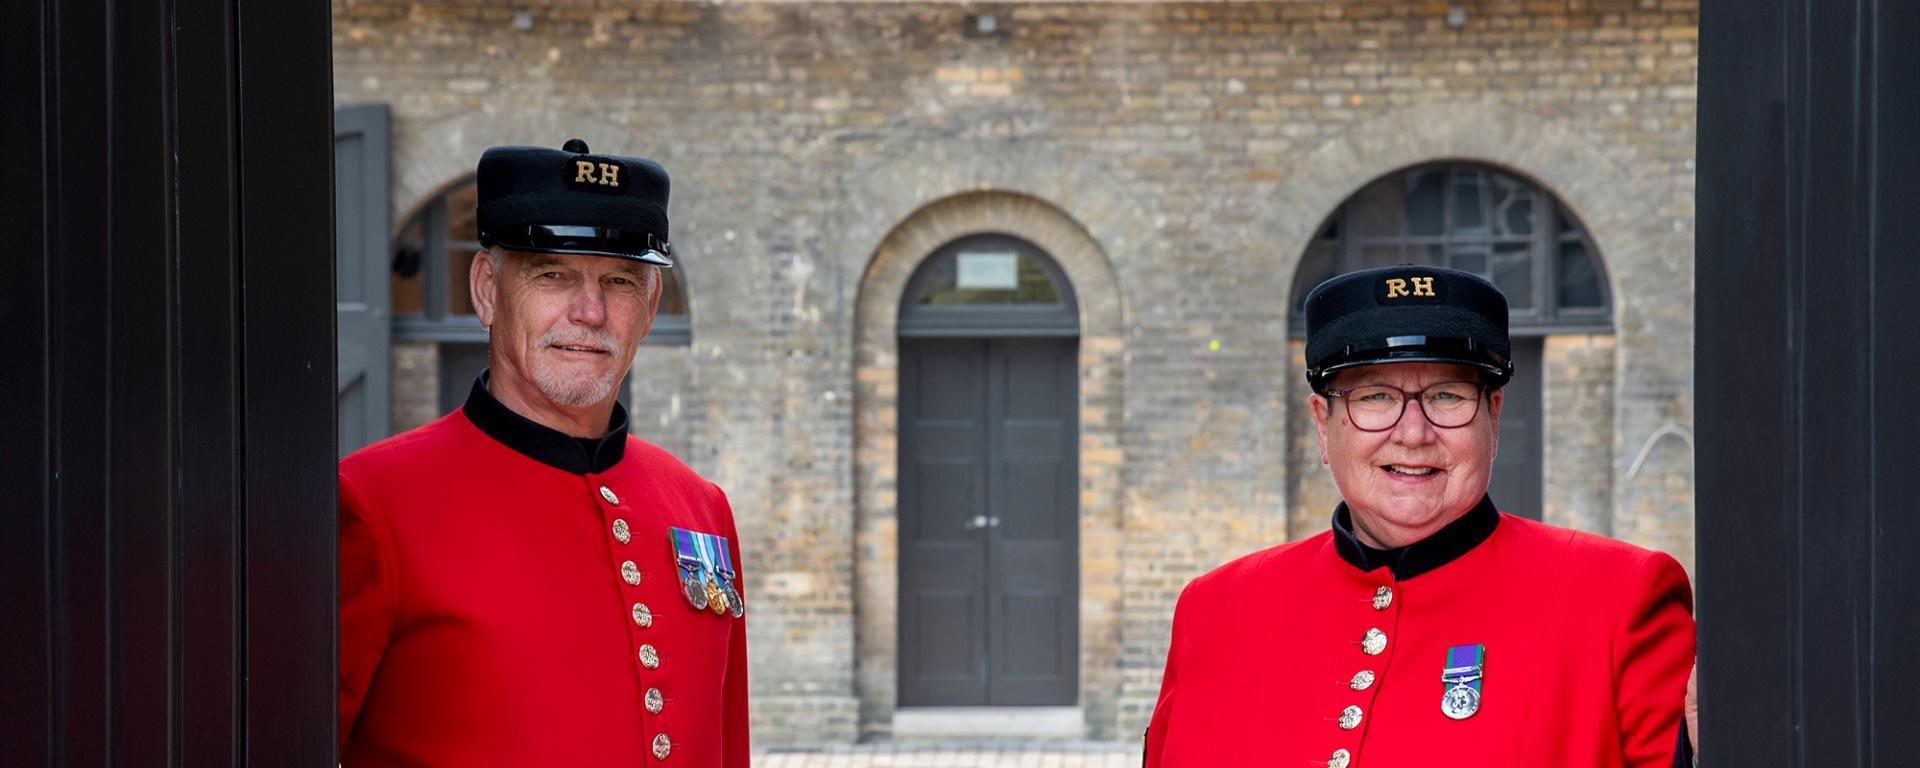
x,y
1470,217
431,256
988,285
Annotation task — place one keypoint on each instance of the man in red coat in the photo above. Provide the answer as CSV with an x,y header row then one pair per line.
x,y
1425,628
522,583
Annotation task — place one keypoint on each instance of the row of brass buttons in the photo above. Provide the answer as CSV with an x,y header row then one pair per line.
x,y
1373,643
643,618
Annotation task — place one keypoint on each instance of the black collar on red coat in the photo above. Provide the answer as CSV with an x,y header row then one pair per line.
x,y
551,447
1444,546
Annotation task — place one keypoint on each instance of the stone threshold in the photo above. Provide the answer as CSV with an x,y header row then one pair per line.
x,y
994,723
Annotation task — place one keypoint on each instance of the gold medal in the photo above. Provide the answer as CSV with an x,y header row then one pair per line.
x,y
716,599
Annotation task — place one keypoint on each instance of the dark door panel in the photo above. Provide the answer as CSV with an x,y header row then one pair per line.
x,y
1032,422
1515,485
988,511
942,491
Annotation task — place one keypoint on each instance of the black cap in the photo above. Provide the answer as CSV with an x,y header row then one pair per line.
x,y
1407,314
568,201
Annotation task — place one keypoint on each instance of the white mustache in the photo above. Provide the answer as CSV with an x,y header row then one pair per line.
x,y
600,339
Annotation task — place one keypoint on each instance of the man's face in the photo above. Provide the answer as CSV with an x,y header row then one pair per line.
x,y
566,324
1409,481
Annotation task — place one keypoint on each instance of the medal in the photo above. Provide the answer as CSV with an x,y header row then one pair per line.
x,y
691,587
688,556
706,572
1460,681
735,606
716,599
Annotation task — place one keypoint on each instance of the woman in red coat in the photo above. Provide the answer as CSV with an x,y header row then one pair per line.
x,y
1425,628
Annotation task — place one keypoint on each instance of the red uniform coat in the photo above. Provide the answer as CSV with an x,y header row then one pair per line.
x,y
485,618
1588,642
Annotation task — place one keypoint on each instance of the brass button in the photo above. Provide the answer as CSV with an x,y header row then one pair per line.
x,y
661,747
1374,642
1349,718
1382,598
642,616
630,573
621,533
655,702
607,493
1362,680
649,657
1340,759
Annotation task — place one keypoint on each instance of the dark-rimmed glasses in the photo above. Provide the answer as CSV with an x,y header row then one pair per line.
x,y
1378,407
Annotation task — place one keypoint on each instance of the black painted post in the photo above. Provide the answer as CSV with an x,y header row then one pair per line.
x,y
1808,359
166,445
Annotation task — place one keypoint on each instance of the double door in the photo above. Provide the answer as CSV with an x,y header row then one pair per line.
x,y
989,512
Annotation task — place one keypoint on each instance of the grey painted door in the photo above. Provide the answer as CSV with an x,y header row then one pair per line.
x,y
989,512
1515,485
362,224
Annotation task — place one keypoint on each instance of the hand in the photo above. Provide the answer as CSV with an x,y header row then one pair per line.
x,y
1693,710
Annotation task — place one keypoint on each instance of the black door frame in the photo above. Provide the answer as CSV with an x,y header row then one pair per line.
x,y
1806,365
984,323
167,550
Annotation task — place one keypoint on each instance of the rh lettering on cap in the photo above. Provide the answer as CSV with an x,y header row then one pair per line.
x,y
1410,289
596,174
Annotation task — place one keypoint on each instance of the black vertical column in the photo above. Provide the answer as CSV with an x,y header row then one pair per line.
x,y
166,445
1808,355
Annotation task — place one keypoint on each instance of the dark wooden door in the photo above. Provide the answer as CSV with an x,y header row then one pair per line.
x,y
1515,485
1806,358
989,512
361,224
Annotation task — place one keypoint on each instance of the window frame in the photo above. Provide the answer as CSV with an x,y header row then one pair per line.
x,y
1546,315
1059,319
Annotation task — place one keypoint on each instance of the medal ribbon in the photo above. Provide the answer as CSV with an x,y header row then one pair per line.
x,y
1464,666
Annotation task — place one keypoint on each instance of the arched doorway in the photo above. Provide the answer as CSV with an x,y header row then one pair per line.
x,y
988,478
1494,223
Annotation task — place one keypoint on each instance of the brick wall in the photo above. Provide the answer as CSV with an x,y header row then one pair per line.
x,y
1196,145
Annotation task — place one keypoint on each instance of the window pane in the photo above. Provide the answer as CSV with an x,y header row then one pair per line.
x,y
1469,200
1579,281
1512,209
1469,258
982,276
1379,210
463,213
672,300
409,278
1426,201
1513,273
1318,266
1380,256
459,299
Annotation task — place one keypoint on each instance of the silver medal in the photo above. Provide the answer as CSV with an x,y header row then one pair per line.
x,y
1460,702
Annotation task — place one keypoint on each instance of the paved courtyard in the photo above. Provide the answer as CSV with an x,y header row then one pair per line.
x,y
938,755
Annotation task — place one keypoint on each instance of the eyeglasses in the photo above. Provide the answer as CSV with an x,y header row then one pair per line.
x,y
1378,407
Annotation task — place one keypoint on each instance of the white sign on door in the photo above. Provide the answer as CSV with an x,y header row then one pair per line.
x,y
988,270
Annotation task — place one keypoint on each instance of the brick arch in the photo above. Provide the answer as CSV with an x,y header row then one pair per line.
x,y
876,410
1592,179
1551,153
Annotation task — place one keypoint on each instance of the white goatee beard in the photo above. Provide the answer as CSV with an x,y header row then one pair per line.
x,y
574,391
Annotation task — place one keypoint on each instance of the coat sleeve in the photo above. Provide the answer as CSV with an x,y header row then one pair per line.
x,y
735,738
1652,650
367,600
1156,735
